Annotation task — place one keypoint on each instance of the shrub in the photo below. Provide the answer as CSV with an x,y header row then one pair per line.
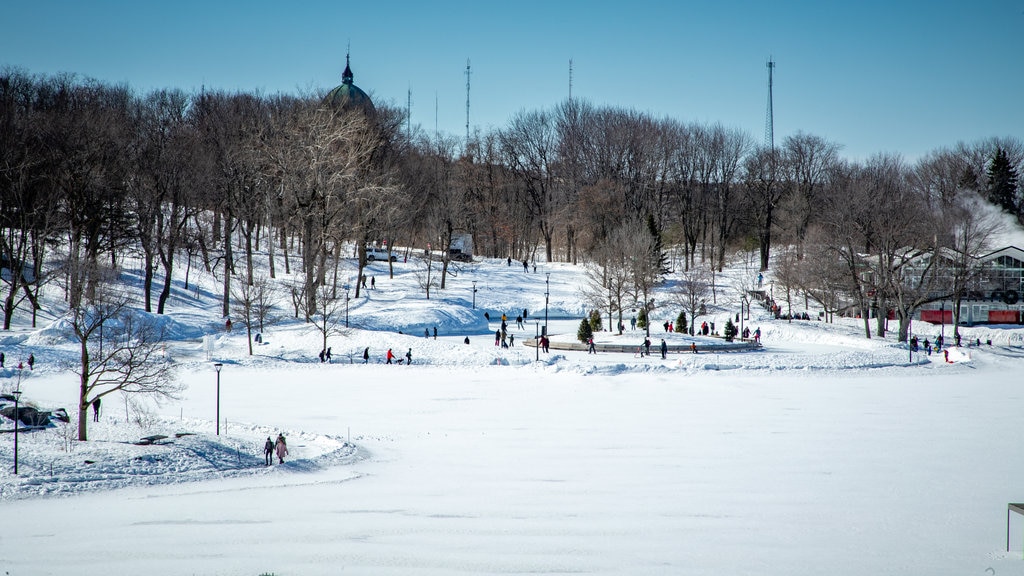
x,y
680,326
584,333
730,330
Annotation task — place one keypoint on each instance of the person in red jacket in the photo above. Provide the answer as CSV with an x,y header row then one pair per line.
x,y
391,356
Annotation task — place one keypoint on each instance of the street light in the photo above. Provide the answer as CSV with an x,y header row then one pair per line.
x,y
346,305
17,419
217,367
942,321
474,294
536,338
547,293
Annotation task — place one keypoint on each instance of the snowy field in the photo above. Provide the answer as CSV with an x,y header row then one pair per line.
x,y
822,453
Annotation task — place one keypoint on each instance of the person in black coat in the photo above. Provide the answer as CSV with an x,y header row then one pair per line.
x,y
268,452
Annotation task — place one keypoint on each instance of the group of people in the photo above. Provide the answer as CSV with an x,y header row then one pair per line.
x,y
391,356
526,265
31,361
280,447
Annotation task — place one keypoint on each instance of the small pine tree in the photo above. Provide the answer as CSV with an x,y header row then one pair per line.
x,y
680,326
1002,182
584,333
730,330
595,321
641,319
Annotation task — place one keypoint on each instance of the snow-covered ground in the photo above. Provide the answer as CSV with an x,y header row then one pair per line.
x,y
824,452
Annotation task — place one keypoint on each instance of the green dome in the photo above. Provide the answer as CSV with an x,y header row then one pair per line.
x,y
348,95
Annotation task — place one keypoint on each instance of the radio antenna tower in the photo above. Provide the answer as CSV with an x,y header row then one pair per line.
x,y
570,78
769,119
408,115
467,100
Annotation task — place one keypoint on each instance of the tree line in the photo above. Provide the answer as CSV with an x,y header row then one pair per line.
x,y
92,174
106,173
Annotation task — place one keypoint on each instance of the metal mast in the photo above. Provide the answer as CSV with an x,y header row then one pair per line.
x,y
769,119
570,78
408,115
467,100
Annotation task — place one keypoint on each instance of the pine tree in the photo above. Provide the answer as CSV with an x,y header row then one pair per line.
x,y
641,319
659,256
595,321
584,333
680,326
1002,182
730,330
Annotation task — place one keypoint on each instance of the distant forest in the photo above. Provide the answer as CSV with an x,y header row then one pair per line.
x,y
94,173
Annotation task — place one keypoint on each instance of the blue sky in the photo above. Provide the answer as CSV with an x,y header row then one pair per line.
x,y
903,77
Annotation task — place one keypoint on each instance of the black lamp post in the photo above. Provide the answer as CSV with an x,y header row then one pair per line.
x,y
547,293
346,305
942,321
474,294
17,419
536,338
217,367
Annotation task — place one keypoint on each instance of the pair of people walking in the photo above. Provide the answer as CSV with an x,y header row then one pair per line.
x,y
280,447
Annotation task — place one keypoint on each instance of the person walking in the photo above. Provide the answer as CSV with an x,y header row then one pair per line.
x,y
408,356
328,355
590,346
96,409
426,332
647,346
664,349
322,355
497,337
632,323
693,347
526,267
268,452
373,282
511,340
282,448
391,356
366,355
32,360
2,357
435,332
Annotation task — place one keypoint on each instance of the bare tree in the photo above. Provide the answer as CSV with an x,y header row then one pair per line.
x,y
255,302
120,351
694,292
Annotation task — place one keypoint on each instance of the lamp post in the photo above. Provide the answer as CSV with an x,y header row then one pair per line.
x,y
609,308
346,305
536,338
474,294
942,321
17,419
217,367
547,293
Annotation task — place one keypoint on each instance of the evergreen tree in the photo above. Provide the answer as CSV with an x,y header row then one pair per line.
x,y
584,333
730,330
657,253
1002,182
641,319
680,326
595,321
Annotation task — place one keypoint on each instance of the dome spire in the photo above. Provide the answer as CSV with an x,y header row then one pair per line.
x,y
346,76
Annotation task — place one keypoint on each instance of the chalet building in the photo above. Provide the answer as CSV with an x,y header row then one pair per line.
x,y
995,297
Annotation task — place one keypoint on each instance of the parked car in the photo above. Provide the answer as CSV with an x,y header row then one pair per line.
x,y
374,254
